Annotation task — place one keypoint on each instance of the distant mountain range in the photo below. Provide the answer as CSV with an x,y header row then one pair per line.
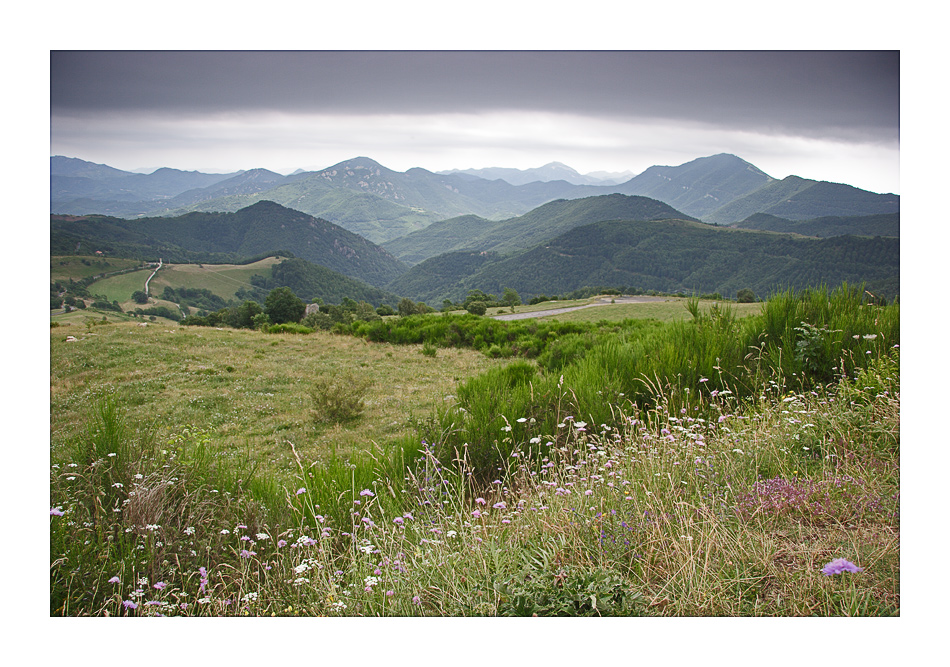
x,y
715,224
553,171
381,205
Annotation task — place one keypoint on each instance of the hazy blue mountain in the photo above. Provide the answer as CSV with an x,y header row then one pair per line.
x,y
380,204
553,171
78,187
796,198
700,186
74,167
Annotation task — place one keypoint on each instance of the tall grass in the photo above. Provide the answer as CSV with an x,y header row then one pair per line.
x,y
630,482
668,515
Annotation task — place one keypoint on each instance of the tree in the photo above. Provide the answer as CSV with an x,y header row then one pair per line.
x,y
242,317
476,307
510,298
138,296
746,295
406,307
365,312
282,306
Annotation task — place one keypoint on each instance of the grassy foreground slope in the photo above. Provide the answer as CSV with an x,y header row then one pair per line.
x,y
699,502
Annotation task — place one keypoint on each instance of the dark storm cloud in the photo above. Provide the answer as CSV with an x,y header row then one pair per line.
x,y
849,95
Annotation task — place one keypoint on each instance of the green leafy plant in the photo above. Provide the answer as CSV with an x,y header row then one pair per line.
x,y
339,398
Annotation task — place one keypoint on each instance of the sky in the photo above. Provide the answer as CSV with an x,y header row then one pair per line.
x,y
825,115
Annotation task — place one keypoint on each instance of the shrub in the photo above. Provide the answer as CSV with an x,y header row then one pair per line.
x,y
338,398
477,308
746,295
289,327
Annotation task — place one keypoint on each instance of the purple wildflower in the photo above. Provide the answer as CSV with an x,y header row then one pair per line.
x,y
159,585
476,514
114,580
281,543
55,511
247,554
499,506
367,492
416,600
839,565
128,604
480,501
398,521
300,490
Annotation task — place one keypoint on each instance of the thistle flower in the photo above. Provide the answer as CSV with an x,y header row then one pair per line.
x,y
839,565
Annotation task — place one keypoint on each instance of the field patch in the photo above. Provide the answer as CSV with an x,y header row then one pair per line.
x,y
248,388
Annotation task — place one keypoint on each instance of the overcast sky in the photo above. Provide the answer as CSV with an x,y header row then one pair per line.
x,y
822,115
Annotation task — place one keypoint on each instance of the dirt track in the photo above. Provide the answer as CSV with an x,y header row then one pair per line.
x,y
606,301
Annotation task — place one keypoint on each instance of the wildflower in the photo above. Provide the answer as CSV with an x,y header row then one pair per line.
x,y
407,515
588,492
128,604
263,536
114,580
389,594
839,565
247,554
416,600
300,490
281,543
190,530
159,585
225,532
480,501
476,514
367,492
56,511
398,521
499,506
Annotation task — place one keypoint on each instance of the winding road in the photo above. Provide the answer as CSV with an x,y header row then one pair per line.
x,y
153,275
606,301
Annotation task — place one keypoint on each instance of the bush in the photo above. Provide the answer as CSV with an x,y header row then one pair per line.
x,y
289,327
339,398
477,308
746,295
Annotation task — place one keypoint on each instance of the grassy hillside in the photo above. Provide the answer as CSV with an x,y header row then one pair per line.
x,y
188,478
77,267
205,237
247,388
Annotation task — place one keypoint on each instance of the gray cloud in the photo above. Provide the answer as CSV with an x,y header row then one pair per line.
x,y
846,95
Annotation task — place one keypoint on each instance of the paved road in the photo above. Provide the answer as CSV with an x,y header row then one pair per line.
x,y
559,311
